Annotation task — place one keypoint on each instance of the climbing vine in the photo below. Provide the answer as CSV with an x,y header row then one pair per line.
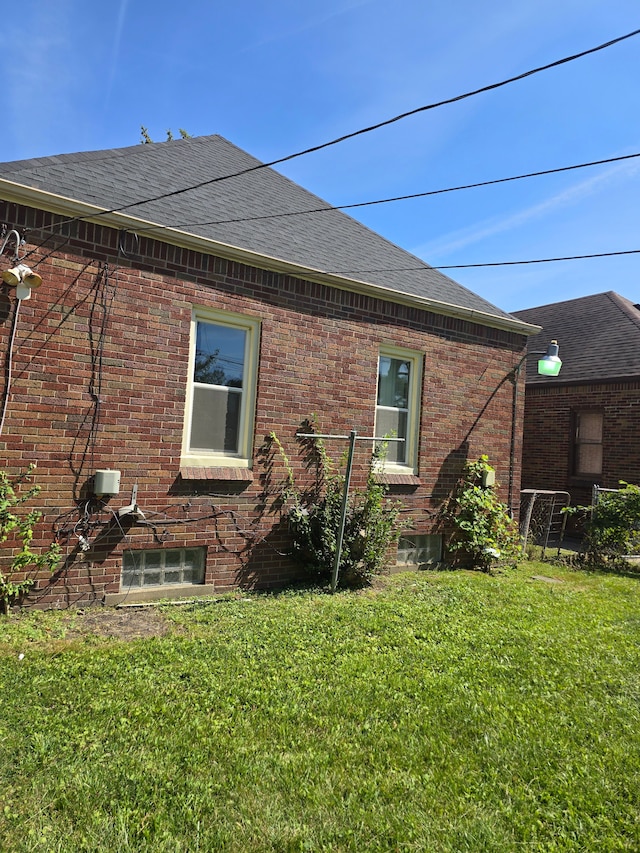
x,y
21,564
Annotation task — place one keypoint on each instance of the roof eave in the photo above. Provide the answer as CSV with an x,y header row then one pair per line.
x,y
62,205
538,382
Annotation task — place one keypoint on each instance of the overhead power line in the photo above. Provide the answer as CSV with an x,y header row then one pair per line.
x,y
376,126
489,264
330,208
540,260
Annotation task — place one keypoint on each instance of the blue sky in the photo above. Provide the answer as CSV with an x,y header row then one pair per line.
x,y
277,77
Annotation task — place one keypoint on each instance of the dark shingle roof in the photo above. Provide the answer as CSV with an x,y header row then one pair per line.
x,y
330,242
599,337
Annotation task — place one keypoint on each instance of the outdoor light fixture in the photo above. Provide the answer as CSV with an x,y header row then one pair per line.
x,y
550,364
23,279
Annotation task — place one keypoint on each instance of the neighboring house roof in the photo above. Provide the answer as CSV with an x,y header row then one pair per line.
x,y
331,242
598,336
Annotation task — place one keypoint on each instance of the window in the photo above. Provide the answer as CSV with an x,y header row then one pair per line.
x,y
162,568
588,443
420,550
221,394
398,406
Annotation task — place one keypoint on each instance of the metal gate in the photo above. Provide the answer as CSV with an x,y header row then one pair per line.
x,y
542,520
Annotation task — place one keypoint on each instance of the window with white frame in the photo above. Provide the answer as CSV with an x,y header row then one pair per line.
x,y
221,392
398,406
162,567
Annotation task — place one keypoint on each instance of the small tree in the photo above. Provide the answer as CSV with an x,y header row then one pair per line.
x,y
482,530
17,529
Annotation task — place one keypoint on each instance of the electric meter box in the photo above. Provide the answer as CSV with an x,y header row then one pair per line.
x,y
488,479
106,482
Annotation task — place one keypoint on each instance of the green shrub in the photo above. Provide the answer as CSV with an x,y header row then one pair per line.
x,y
612,526
372,521
482,531
17,529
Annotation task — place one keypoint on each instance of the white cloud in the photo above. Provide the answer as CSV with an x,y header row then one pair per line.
x,y
115,54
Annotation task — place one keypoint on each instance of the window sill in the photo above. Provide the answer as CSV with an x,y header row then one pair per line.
x,y
395,478
217,473
168,592
588,479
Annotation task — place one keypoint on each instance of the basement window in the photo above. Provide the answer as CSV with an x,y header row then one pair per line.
x,y
424,549
162,567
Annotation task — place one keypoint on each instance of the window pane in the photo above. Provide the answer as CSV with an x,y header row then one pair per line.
x,y
192,557
153,560
215,419
172,560
129,561
590,459
590,426
393,422
219,355
393,382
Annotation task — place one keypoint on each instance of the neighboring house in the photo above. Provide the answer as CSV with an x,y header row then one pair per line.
x,y
582,428
171,336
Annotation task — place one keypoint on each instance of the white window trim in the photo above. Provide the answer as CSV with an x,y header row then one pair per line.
x,y
242,459
414,407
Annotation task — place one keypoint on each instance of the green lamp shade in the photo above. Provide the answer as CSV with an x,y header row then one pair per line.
x,y
550,364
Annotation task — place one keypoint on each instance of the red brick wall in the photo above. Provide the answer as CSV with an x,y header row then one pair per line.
x,y
548,436
99,381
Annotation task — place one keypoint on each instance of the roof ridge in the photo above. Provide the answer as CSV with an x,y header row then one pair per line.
x,y
626,306
99,154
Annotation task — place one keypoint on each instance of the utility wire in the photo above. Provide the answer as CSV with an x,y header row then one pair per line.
x,y
371,128
540,260
9,365
330,208
493,264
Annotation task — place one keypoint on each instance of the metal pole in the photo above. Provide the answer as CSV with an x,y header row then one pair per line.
x,y
343,513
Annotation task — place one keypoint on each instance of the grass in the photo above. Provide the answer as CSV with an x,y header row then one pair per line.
x,y
443,712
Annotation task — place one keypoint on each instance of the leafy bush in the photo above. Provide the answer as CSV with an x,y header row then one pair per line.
x,y
612,526
482,530
18,529
371,526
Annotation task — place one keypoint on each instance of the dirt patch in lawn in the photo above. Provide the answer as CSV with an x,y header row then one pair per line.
x,y
130,624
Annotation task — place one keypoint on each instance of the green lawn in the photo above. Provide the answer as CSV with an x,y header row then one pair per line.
x,y
443,712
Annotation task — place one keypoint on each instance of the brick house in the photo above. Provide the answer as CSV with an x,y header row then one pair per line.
x,y
581,428
175,329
